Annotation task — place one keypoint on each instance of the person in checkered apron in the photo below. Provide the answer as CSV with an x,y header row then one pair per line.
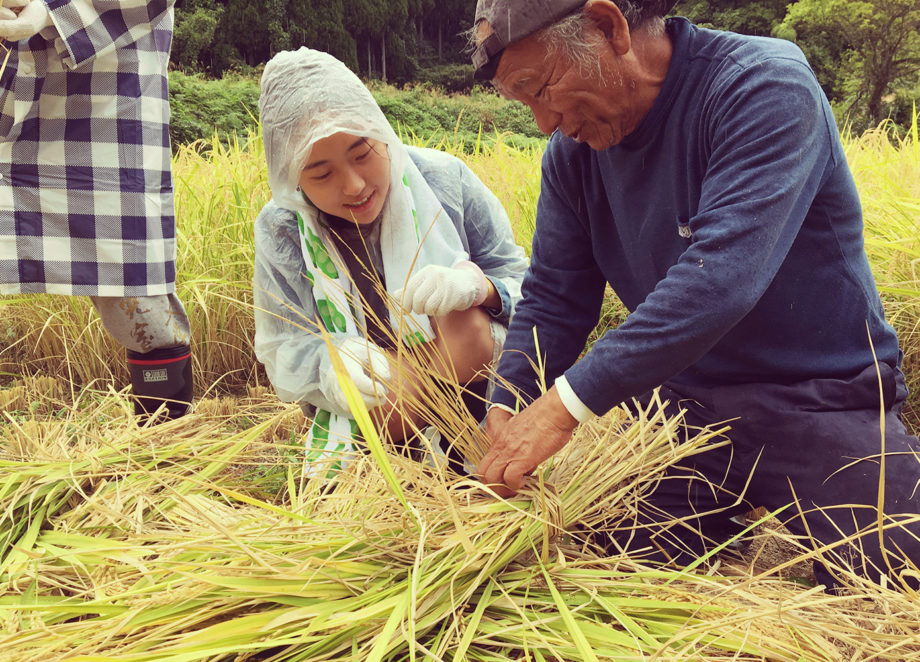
x,y
86,196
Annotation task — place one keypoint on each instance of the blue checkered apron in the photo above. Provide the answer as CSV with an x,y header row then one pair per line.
x,y
86,198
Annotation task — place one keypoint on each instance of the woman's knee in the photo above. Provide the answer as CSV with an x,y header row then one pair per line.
x,y
466,338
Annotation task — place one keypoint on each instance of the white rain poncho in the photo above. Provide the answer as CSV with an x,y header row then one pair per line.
x,y
308,95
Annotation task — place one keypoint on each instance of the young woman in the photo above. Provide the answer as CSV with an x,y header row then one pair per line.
x,y
369,244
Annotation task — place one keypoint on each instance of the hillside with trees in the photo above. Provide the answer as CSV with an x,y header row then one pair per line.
x,y
865,53
391,40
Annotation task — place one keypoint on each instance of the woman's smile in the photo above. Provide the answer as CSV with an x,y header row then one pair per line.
x,y
363,204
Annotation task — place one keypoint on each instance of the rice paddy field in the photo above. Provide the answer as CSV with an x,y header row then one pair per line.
x,y
202,538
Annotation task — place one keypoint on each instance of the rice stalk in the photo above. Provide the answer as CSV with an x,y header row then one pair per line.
x,y
345,582
198,541
101,475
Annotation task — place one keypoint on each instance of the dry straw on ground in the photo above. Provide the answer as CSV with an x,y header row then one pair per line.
x,y
198,540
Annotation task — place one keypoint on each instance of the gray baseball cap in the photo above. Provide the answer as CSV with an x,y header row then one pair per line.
x,y
513,20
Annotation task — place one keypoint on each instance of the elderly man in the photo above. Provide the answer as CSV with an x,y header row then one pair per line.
x,y
86,197
700,173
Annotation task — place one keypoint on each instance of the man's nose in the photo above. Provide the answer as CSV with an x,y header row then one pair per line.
x,y
546,120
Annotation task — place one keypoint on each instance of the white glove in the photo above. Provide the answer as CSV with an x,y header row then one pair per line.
x,y
32,19
437,290
15,4
366,365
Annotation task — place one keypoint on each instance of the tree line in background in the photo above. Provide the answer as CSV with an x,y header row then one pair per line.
x,y
865,53
386,39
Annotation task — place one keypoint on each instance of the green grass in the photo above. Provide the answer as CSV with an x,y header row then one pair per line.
x,y
204,109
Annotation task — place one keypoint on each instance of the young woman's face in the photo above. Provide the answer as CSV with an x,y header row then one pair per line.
x,y
347,176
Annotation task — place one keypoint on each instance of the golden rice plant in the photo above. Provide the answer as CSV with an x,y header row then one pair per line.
x,y
887,171
219,190
204,539
511,173
150,543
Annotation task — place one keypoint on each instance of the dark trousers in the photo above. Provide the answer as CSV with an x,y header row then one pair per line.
x,y
816,445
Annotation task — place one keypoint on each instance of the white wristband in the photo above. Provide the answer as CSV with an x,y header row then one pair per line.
x,y
572,402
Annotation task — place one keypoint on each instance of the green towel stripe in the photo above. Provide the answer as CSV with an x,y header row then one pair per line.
x,y
413,339
320,255
319,445
332,318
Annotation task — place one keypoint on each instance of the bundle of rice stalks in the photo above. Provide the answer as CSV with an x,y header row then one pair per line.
x,y
95,467
150,544
162,556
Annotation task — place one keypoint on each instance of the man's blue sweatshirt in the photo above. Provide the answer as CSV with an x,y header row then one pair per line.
x,y
729,225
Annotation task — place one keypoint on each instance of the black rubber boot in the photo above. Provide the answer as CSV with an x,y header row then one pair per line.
x,y
161,376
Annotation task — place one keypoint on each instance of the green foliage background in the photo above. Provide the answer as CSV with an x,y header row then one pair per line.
x,y
203,109
865,54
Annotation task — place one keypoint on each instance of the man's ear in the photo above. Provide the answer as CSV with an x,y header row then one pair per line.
x,y
608,18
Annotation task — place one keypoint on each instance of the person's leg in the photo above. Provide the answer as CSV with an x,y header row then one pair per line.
x,y
812,448
468,403
464,346
155,333
447,372
820,444
693,505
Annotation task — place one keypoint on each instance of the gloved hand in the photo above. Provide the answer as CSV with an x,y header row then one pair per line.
x,y
33,17
367,365
437,290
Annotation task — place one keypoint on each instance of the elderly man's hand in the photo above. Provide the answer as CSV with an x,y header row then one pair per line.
x,y
520,443
32,18
496,421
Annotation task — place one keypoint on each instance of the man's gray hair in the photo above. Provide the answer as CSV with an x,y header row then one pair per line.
x,y
570,38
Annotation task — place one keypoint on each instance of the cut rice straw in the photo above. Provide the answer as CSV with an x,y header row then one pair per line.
x,y
168,563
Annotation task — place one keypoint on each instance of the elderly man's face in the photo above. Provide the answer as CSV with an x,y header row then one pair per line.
x,y
598,110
